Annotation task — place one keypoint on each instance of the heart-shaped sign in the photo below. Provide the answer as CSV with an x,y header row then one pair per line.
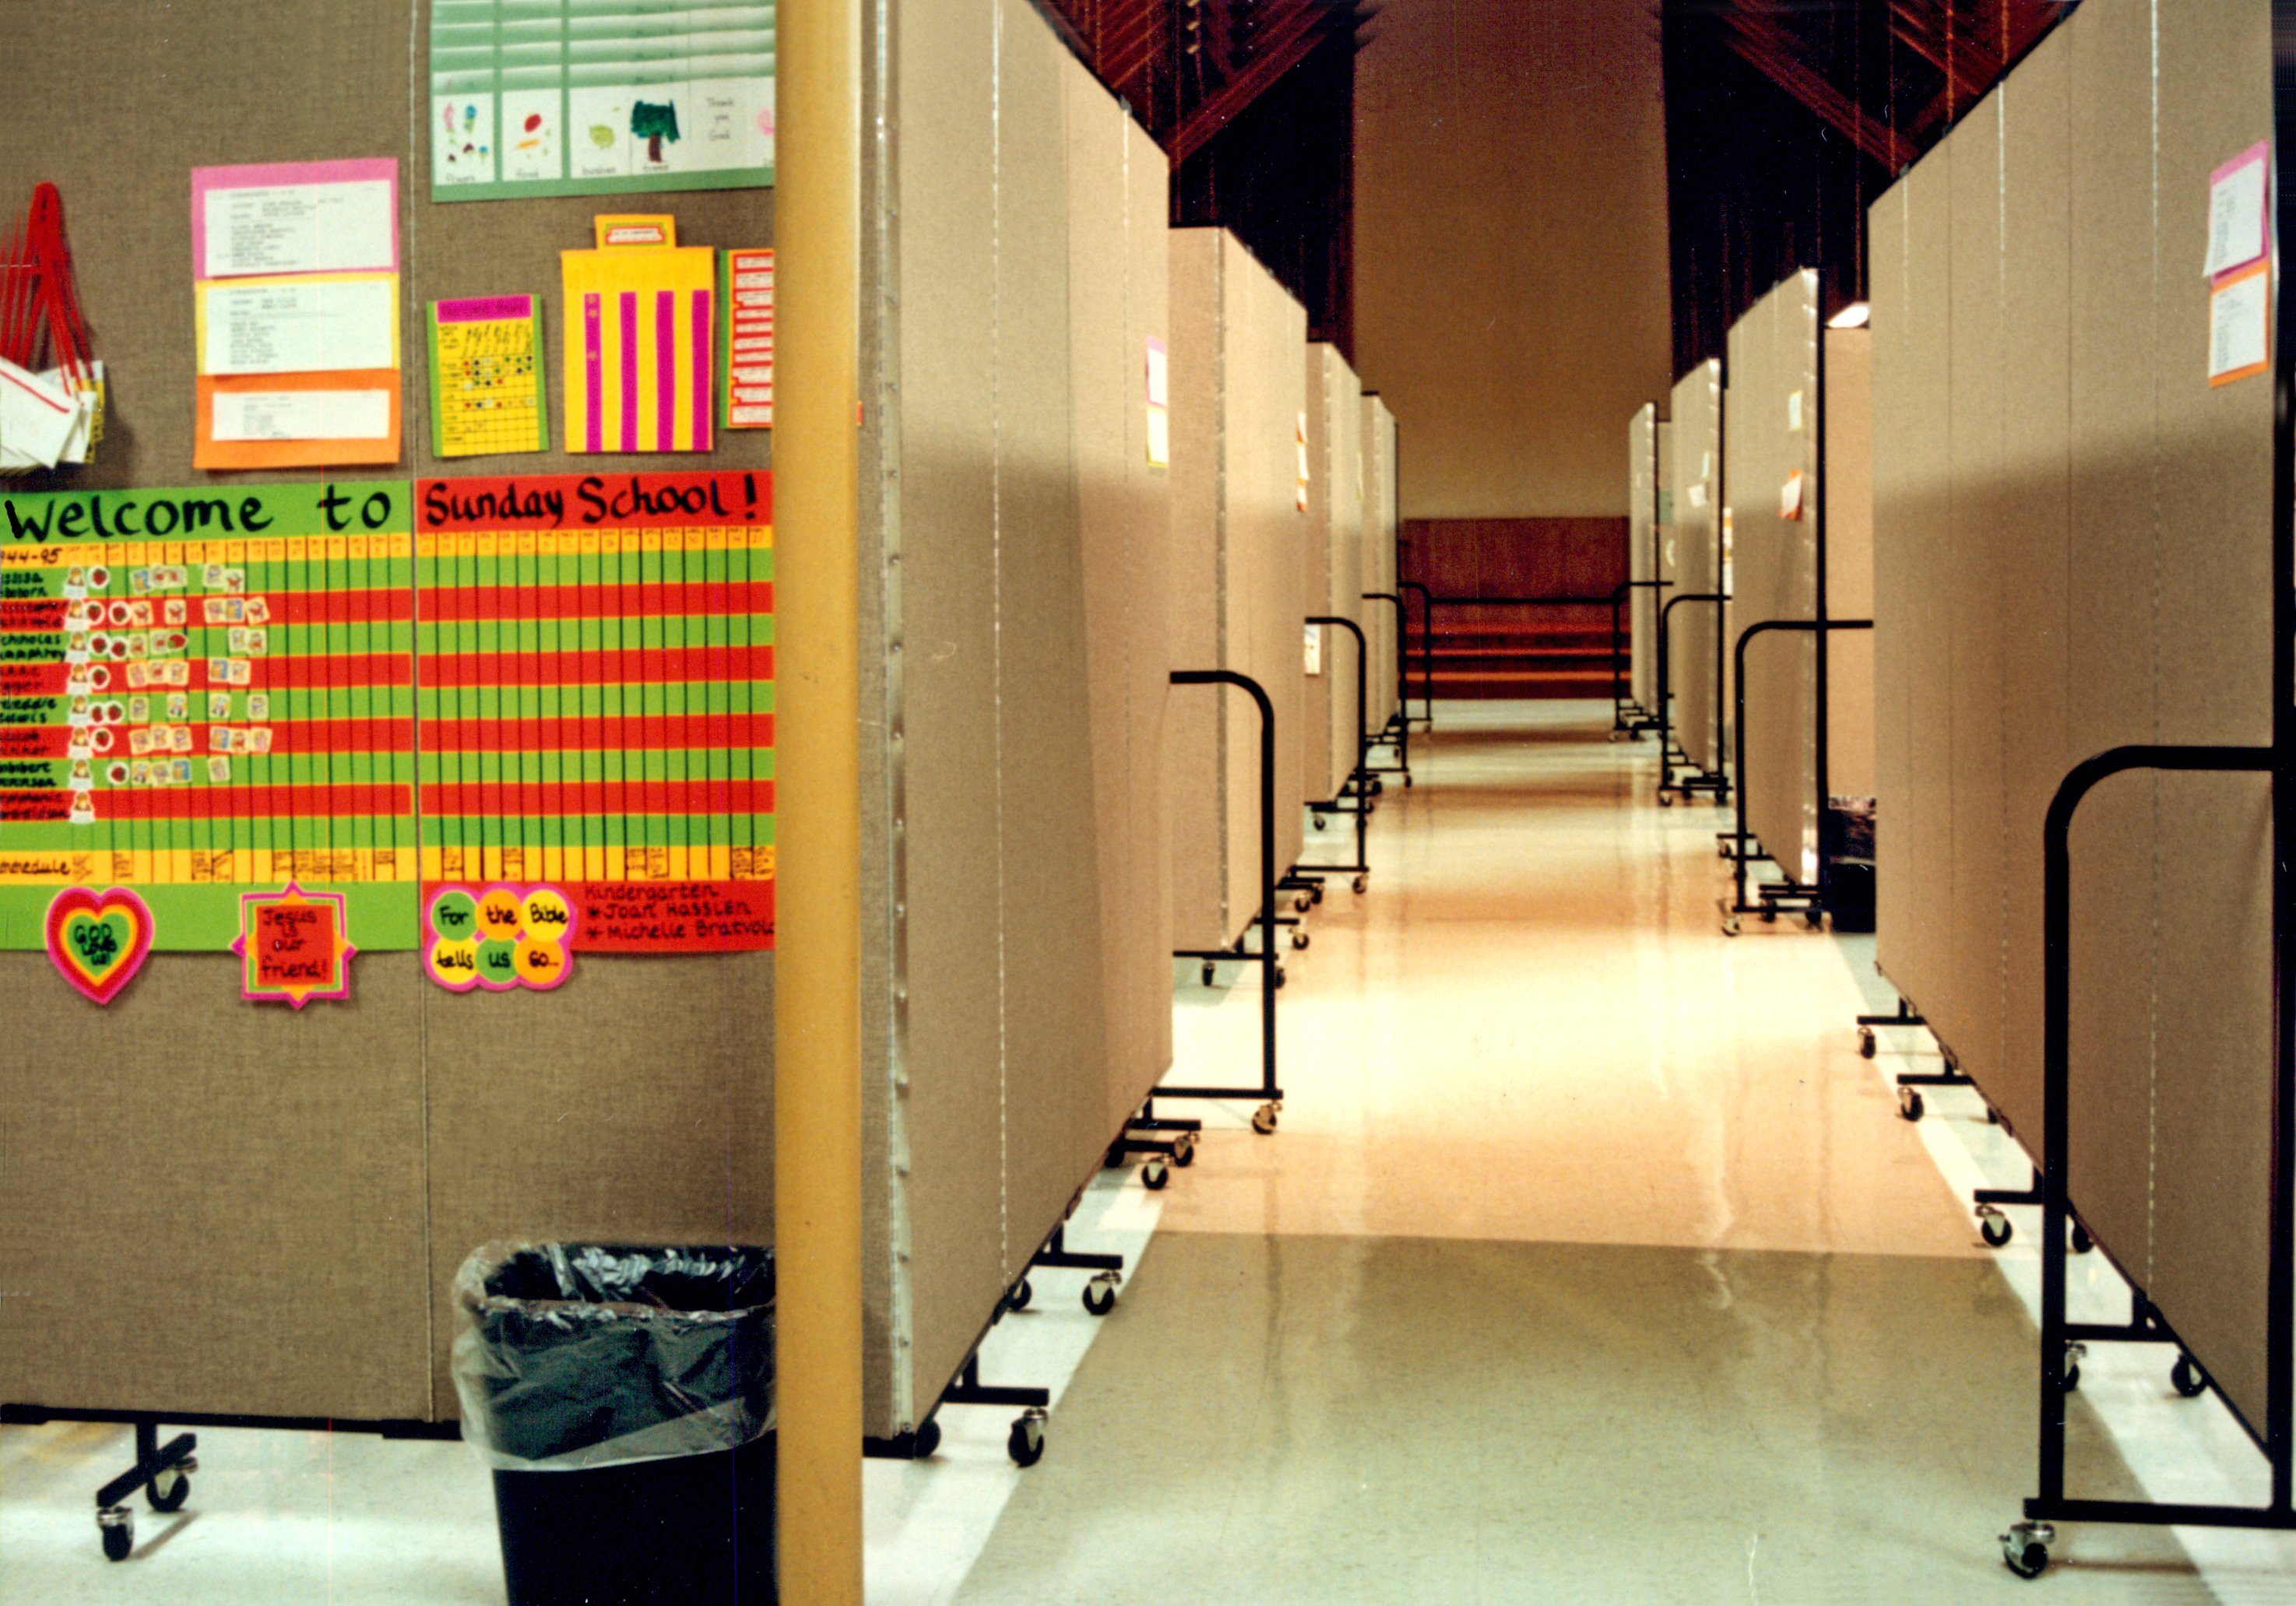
x,y
99,940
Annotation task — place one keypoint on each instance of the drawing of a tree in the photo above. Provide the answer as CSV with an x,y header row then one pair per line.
x,y
653,123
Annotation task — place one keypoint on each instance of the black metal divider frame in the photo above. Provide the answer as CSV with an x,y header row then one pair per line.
x,y
1426,656
1264,1118
1355,798
1401,723
1628,718
1670,756
1789,894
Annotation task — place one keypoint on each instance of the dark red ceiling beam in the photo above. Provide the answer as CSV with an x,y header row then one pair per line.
x,y
1776,54
1290,39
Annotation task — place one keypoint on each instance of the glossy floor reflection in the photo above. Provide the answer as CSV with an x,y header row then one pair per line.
x,y
1297,1419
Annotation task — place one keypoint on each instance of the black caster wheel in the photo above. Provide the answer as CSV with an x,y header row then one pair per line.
x,y
1263,1119
1018,1299
2191,1382
1299,939
2025,1547
168,1490
1319,822
2081,1241
1302,903
1992,1116
1183,1149
1866,1044
1770,917
119,1530
1155,1176
1026,1443
1362,883
1280,977
2074,1355
926,1439
1909,1104
1315,893
1666,800
1378,789
1100,1294
1407,783
1993,1226
1212,973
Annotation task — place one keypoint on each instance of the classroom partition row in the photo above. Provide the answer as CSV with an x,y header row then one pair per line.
x,y
2082,524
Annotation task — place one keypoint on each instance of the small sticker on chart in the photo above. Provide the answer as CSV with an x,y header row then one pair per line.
x,y
2239,210
2240,326
1790,498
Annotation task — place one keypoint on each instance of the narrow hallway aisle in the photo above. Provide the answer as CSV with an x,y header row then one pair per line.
x,y
1590,1262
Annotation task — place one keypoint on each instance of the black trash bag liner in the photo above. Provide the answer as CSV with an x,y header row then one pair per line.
x,y
578,1355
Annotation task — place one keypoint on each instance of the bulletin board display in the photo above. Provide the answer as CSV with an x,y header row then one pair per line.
x,y
596,703
207,689
578,97
395,692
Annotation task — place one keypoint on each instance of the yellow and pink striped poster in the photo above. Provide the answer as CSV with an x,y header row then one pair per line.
x,y
641,348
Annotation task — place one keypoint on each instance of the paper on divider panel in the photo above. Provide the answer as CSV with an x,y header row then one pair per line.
x,y
640,348
295,298
487,377
253,415
298,325
295,217
37,418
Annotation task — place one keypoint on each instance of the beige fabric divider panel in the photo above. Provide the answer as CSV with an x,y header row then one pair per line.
x,y
2102,576
1773,437
1897,337
1379,560
2035,538
1055,1033
1692,628
1023,1005
1642,550
1848,491
1194,754
1264,600
1119,259
1332,577
2213,941
1238,390
1971,625
1663,560
212,1207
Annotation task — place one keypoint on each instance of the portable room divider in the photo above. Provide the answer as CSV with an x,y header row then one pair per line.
x,y
1693,619
1239,535
1383,620
1648,581
1800,613
2083,522
1332,580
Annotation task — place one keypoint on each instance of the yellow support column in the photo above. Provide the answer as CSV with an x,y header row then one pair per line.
x,y
817,1031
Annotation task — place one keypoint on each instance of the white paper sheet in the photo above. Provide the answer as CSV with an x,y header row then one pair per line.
x,y
300,328
2240,327
299,228
37,418
302,416
2237,214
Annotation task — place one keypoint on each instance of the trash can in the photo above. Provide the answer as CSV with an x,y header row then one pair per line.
x,y
624,1397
